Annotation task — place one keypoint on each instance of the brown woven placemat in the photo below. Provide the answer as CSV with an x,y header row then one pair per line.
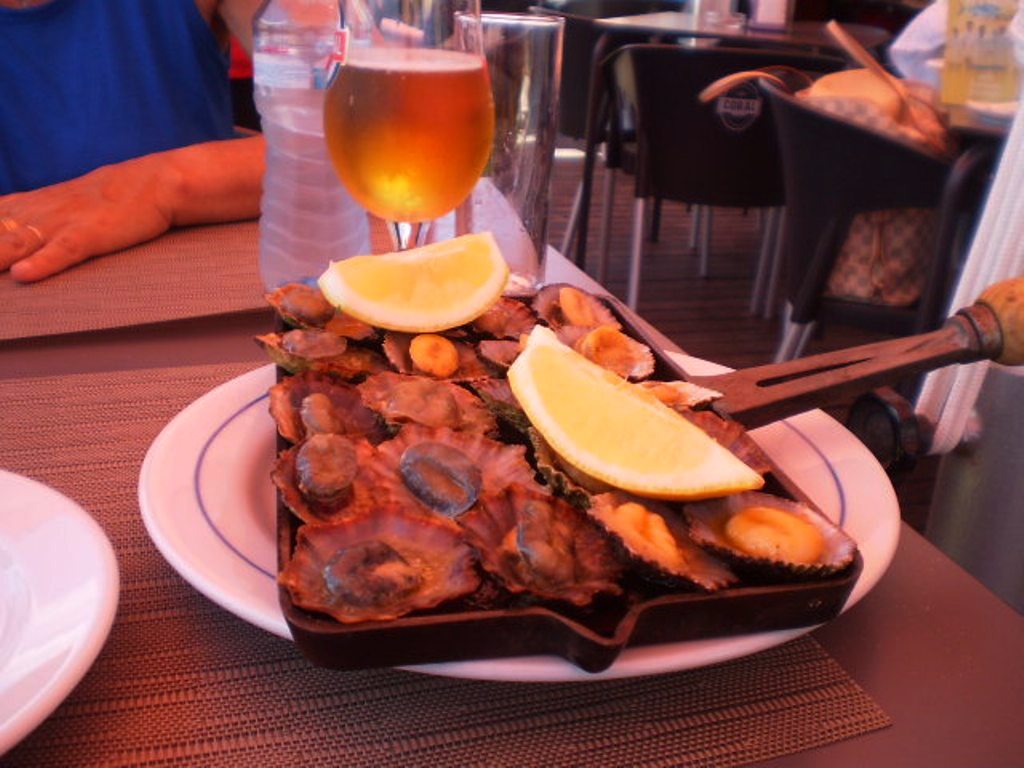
x,y
182,682
188,272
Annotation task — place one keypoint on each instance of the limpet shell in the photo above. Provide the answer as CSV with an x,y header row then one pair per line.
x,y
304,306
561,304
313,349
708,521
396,348
732,435
403,399
362,492
610,348
500,465
301,305
536,543
378,565
338,408
655,537
506,319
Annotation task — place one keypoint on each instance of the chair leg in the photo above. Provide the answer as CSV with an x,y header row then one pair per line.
x,y
695,221
636,251
794,338
573,222
655,230
775,276
607,206
704,250
761,296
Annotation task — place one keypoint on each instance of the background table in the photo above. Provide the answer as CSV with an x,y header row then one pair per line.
x,y
810,35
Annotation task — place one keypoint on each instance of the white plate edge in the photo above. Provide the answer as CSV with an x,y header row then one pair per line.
x,y
83,656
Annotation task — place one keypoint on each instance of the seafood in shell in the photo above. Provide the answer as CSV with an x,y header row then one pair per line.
x,y
325,466
681,396
560,476
304,306
301,305
765,534
451,469
433,463
732,435
506,319
402,399
501,353
333,479
434,355
561,305
378,565
610,348
313,349
309,403
469,365
536,543
656,537
497,396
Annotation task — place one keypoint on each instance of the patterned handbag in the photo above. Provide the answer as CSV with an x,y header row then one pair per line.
x,y
884,256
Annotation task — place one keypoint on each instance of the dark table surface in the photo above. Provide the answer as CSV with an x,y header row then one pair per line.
x,y
810,35
938,651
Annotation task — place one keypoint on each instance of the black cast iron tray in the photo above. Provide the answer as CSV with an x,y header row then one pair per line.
x,y
592,638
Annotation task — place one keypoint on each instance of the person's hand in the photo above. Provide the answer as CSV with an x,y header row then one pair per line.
x,y
50,229
47,230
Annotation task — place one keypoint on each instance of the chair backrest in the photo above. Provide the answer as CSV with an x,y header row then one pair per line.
x,y
505,6
579,41
721,153
833,170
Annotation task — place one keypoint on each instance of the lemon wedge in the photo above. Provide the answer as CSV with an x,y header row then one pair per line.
x,y
430,288
617,432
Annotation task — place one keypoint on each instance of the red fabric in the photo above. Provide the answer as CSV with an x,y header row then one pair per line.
x,y
241,64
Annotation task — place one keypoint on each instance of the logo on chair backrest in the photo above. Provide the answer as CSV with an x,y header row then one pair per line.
x,y
739,109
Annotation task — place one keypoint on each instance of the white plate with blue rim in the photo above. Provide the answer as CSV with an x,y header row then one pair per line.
x,y
209,506
58,596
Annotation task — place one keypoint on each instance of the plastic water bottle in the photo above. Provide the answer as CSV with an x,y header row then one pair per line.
x,y
307,216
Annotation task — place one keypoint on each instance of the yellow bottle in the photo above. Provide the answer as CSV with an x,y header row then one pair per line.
x,y
979,61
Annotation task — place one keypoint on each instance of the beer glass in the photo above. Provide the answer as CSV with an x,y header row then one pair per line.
x,y
409,117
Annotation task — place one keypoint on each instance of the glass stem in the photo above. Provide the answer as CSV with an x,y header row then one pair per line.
x,y
406,234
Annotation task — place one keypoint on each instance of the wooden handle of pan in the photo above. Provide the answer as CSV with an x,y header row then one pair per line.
x,y
1006,300
990,329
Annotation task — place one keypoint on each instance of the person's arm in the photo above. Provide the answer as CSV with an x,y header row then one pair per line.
x,y
45,231
238,17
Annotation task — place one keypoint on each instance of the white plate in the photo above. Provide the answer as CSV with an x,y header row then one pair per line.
x,y
58,596
994,111
209,506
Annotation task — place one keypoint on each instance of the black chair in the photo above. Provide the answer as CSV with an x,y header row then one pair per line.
x,y
717,154
584,46
833,170
579,41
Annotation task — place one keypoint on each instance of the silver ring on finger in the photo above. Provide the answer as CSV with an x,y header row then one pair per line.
x,y
39,235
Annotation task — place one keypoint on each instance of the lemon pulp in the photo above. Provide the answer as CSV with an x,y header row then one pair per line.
x,y
616,432
430,288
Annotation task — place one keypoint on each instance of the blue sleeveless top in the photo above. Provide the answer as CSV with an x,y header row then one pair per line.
x,y
84,83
